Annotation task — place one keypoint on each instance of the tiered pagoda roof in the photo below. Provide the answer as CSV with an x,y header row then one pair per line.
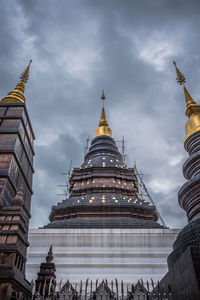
x,y
103,190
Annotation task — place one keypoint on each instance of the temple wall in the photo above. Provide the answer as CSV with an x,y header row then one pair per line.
x,y
125,254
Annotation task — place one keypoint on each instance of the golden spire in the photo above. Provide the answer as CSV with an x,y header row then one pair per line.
x,y
17,95
188,99
192,108
103,128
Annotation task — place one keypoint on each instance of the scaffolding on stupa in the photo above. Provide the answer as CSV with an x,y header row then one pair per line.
x,y
143,191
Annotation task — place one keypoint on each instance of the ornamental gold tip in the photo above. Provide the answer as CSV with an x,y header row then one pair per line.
x,y
25,75
103,128
17,95
103,95
180,77
192,108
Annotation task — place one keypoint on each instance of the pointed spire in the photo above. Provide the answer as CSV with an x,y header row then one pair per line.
x,y
180,77
103,95
46,279
103,128
25,75
103,121
188,99
17,95
49,257
192,108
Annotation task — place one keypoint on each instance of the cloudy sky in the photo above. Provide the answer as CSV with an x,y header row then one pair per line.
x,y
126,47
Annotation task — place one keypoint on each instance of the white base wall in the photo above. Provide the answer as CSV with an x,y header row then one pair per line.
x,y
125,254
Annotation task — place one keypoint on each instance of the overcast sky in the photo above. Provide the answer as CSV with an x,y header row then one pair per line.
x,y
126,48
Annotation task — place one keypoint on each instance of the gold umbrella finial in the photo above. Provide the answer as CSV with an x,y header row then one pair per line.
x,y
180,77
192,108
188,99
103,97
17,95
25,75
103,128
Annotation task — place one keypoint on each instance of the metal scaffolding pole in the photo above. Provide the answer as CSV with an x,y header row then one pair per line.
x,y
148,195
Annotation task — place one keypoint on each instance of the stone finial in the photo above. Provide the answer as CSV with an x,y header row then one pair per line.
x,y
18,200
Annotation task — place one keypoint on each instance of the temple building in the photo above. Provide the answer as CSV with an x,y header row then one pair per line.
x,y
104,241
105,228
104,192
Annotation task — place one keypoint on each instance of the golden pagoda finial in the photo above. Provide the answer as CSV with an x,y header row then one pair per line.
x,y
180,77
17,95
103,95
103,128
192,108
188,99
25,75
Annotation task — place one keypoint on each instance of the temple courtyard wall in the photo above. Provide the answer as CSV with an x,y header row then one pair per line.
x,y
125,254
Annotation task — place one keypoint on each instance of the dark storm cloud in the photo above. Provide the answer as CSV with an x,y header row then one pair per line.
x,y
125,47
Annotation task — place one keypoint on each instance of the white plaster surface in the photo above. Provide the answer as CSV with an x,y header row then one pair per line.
x,y
125,254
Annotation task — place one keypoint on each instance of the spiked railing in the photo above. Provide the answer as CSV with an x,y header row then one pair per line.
x,y
114,290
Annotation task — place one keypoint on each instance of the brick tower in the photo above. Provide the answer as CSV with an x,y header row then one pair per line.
x,y
16,172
